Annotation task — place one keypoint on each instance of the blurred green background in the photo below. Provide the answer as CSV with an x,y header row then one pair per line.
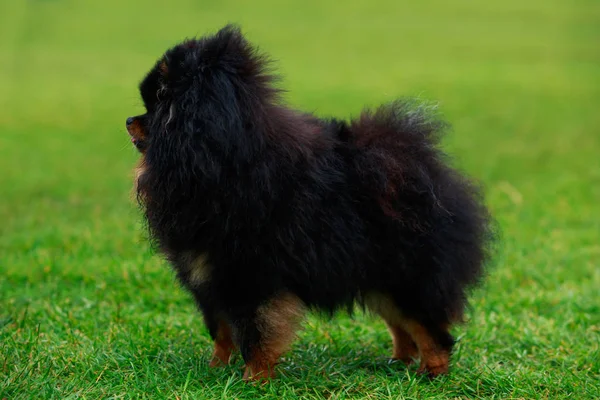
x,y
86,309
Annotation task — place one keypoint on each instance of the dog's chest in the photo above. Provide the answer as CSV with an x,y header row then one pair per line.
x,y
197,270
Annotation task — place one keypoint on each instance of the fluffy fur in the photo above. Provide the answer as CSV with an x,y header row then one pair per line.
x,y
265,212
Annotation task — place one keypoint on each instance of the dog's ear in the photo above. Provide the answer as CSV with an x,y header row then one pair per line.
x,y
230,52
163,68
229,49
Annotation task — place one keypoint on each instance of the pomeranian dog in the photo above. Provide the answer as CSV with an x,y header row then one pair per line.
x,y
265,212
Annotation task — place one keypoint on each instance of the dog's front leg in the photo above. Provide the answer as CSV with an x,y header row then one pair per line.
x,y
266,333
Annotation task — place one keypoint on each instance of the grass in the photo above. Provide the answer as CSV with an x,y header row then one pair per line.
x,y
88,311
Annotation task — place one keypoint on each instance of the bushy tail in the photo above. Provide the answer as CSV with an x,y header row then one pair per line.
x,y
414,121
397,148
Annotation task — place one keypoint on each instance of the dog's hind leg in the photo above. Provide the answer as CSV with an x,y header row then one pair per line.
x,y
434,344
404,348
268,334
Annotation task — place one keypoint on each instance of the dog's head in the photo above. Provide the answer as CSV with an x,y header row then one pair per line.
x,y
212,85
208,105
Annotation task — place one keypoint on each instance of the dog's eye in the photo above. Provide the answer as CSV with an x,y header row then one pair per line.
x,y
149,103
150,97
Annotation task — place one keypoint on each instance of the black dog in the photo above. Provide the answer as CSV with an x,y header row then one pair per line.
x,y
265,212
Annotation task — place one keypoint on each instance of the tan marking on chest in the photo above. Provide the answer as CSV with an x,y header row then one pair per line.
x,y
138,172
199,270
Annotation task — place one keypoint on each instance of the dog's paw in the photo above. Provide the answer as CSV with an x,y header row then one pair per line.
x,y
432,371
259,375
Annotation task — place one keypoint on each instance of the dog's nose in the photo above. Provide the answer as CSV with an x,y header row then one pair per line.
x,y
129,121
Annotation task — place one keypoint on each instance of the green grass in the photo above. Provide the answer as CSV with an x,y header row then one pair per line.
x,y
88,311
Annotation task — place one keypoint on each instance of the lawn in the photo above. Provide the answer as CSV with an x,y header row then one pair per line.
x,y
88,310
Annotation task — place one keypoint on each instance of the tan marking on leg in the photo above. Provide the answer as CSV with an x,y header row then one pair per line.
x,y
224,345
162,67
404,348
384,306
434,359
277,321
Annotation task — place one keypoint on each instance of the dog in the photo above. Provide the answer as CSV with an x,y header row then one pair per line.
x,y
265,212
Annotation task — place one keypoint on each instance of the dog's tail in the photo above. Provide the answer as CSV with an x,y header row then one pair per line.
x,y
408,120
397,148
